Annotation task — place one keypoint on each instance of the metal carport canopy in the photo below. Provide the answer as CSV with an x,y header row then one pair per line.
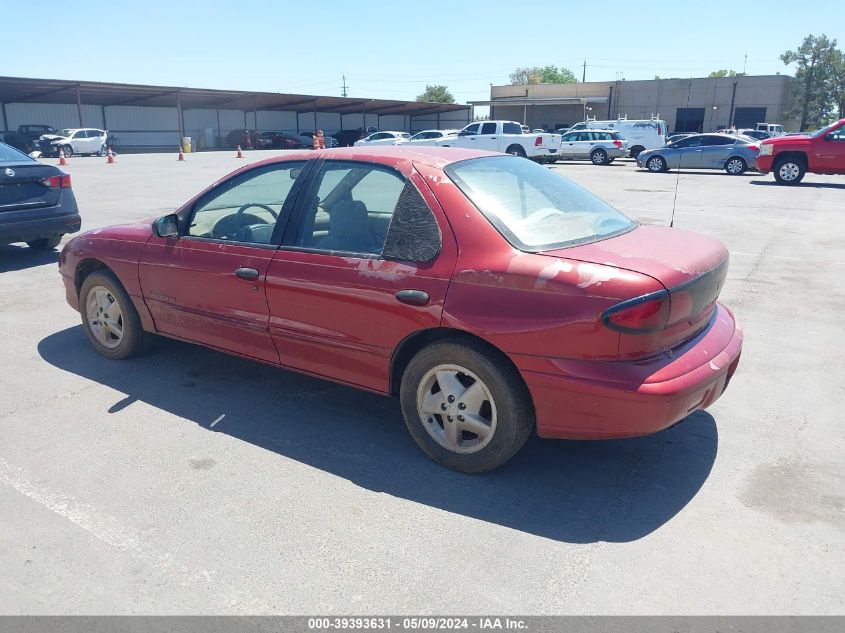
x,y
522,101
29,90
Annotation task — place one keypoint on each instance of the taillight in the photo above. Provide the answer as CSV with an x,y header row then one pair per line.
x,y
659,129
538,141
58,182
647,313
618,144
754,148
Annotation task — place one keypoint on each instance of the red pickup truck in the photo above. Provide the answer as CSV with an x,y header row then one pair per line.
x,y
792,156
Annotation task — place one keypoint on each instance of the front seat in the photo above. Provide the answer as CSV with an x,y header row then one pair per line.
x,y
349,229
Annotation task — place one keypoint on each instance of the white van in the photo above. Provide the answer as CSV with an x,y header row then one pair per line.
x,y
641,134
773,129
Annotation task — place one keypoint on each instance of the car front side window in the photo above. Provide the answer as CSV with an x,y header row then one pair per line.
x,y
247,208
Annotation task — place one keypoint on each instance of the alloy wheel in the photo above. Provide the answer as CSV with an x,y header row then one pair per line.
x,y
789,171
735,166
105,317
456,408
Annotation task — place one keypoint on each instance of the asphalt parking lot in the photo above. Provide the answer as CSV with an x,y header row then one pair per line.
x,y
188,481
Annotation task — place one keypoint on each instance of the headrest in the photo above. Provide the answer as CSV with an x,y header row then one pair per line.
x,y
349,219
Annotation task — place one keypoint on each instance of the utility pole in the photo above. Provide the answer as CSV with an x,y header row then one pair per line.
x,y
343,87
584,73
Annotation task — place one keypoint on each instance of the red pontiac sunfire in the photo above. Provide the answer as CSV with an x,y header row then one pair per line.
x,y
488,293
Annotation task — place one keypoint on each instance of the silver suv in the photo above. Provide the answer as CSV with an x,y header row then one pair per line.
x,y
600,147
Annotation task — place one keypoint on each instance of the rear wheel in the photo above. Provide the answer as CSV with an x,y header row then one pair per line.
x,y
789,171
45,243
465,408
735,166
599,157
109,318
516,150
636,149
656,164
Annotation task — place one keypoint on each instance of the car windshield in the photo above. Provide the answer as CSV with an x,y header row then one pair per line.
x,y
10,154
66,132
534,208
824,130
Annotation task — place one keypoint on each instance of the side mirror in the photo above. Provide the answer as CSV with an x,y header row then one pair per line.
x,y
167,226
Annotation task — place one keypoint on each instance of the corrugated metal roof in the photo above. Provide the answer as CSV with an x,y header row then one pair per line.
x,y
29,90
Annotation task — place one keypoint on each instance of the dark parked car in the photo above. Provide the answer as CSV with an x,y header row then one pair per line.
x,y
280,140
247,139
347,138
37,205
26,138
492,296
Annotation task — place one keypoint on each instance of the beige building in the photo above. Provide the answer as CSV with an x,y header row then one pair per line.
x,y
687,105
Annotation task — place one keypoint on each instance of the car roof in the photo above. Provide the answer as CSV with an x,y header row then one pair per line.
x,y
432,156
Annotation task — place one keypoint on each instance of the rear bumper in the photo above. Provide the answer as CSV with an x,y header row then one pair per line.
x,y
34,224
594,400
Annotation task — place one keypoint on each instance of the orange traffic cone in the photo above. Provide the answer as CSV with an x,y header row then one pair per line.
x,y
62,159
240,154
181,154
110,156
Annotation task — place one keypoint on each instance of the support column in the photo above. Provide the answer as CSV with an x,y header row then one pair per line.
x,y
219,129
79,106
179,116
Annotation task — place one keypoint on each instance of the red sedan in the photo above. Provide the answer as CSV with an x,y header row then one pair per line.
x,y
489,294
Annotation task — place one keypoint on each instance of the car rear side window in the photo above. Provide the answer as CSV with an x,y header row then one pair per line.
x,y
532,207
488,128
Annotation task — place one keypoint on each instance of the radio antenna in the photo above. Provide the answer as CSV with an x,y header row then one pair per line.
x,y
678,173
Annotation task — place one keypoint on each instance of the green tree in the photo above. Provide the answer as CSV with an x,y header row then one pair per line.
x,y
436,94
838,81
542,75
813,91
723,73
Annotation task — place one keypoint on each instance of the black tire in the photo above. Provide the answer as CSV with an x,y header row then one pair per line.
x,y
45,243
511,399
735,166
134,339
789,170
656,164
68,150
103,151
516,150
635,151
598,157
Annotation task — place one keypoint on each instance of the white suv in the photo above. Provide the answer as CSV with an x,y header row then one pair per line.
x,y
383,138
600,147
89,141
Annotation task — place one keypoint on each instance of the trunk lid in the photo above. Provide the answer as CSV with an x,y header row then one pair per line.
x,y
691,267
26,187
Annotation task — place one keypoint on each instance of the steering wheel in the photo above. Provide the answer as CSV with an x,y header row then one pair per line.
x,y
249,205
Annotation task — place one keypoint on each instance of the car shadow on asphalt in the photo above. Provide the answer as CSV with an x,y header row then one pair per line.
x,y
14,257
570,491
818,185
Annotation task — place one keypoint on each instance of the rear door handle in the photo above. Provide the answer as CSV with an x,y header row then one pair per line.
x,y
249,274
413,297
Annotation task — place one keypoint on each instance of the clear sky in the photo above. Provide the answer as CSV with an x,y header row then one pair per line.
x,y
391,49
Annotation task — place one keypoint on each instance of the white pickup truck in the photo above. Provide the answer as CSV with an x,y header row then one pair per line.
x,y
506,136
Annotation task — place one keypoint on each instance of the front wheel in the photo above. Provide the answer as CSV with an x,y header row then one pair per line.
x,y
45,243
109,318
656,164
68,150
465,408
789,171
735,166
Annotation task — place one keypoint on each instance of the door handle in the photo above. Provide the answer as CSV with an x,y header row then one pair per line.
x,y
249,274
492,138
413,297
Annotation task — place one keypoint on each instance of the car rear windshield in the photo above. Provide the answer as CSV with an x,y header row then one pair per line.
x,y
8,154
534,208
